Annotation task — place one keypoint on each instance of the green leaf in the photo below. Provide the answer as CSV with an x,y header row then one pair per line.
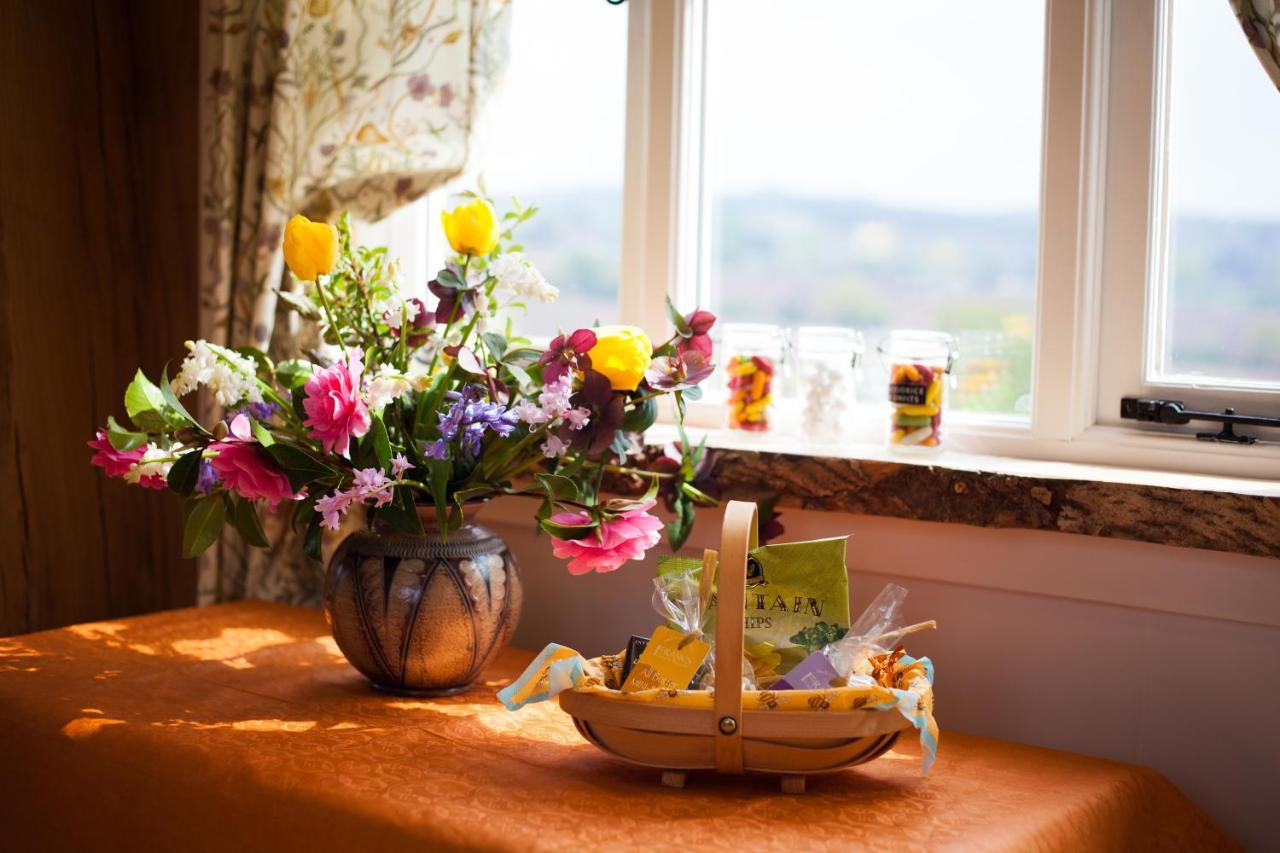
x,y
204,518
145,404
262,434
677,320
301,468
438,473
174,404
122,439
557,487
568,531
460,499
679,528
297,397
314,537
302,304
185,473
701,497
522,377
294,373
244,518
402,513
303,510
693,393
381,442
447,278
496,344
641,417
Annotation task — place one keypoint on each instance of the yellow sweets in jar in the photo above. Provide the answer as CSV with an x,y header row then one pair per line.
x,y
750,391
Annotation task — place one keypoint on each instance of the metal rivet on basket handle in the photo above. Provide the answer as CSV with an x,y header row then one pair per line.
x,y
737,538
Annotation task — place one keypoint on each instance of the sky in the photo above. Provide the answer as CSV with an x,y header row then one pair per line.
x,y
933,105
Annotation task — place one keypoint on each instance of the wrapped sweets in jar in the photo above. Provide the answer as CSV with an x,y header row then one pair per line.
x,y
918,364
753,356
825,360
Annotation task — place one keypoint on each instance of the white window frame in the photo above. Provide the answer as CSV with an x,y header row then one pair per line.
x,y
1101,238
1101,233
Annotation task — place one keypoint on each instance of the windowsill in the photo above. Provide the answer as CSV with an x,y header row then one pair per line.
x,y
1188,510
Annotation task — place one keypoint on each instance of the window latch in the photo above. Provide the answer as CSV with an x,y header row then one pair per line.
x,y
1176,412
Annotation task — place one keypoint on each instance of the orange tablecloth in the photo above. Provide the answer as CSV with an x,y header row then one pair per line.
x,y
241,727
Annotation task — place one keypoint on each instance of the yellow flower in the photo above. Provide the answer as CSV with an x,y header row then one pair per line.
x,y
472,228
310,248
622,354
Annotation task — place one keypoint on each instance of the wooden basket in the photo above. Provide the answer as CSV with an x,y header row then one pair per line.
x,y
724,738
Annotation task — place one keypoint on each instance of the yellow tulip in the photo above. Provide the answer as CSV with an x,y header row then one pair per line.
x,y
310,248
622,354
472,228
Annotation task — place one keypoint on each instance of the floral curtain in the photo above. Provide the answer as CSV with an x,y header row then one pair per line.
x,y
1261,20
320,106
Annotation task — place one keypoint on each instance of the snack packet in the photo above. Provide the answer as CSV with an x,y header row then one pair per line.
x,y
797,602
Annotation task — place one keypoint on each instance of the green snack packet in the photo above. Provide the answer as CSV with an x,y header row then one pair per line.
x,y
797,602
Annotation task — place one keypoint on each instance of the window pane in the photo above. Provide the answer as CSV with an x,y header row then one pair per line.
x,y
554,137
873,168
1222,306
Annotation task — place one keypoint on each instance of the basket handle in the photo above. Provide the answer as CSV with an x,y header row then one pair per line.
x,y
737,537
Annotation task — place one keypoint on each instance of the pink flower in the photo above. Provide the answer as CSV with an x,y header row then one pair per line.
x,y
610,545
116,463
335,410
245,470
699,339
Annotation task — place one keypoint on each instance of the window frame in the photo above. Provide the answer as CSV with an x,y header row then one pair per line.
x,y
1101,237
1100,232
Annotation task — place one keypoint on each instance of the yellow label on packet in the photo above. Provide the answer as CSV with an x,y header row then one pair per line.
x,y
667,663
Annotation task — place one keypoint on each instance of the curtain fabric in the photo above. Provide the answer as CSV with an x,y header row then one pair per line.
x,y
1260,20
320,106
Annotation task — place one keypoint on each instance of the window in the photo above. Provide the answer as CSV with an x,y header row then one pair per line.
x,y
556,138
1189,301
553,136
1220,317
1067,187
855,176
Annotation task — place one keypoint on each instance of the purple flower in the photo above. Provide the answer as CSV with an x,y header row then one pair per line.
x,y
468,417
675,373
607,411
261,412
565,353
208,477
438,449
454,303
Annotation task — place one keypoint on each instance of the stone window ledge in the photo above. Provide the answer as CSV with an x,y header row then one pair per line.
x,y
1187,510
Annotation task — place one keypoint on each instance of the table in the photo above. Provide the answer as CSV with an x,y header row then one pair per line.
x,y
242,727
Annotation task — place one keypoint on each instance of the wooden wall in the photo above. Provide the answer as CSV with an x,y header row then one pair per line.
x,y
98,207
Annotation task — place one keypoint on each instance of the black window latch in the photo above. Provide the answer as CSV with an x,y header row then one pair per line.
x,y
1176,412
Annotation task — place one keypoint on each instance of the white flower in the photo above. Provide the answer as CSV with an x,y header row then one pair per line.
x,y
385,387
150,464
229,375
530,413
390,308
419,373
517,275
554,447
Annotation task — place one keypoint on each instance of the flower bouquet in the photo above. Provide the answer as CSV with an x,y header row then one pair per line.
x,y
417,400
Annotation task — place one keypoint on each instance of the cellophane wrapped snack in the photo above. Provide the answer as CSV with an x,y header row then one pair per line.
x,y
797,602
